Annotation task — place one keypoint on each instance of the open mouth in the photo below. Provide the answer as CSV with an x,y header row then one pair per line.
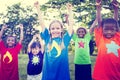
x,y
108,35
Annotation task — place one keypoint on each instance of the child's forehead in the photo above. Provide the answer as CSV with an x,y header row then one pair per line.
x,y
10,37
55,23
81,29
35,47
109,25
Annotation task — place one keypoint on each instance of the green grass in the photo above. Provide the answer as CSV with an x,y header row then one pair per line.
x,y
23,60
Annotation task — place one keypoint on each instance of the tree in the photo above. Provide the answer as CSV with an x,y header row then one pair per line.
x,y
15,15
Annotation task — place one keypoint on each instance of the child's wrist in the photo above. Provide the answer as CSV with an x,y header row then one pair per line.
x,y
116,6
98,3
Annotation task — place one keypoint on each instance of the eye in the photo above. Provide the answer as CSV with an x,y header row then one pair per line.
x,y
12,40
58,28
52,28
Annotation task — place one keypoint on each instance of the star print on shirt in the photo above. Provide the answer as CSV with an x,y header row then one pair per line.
x,y
81,44
112,47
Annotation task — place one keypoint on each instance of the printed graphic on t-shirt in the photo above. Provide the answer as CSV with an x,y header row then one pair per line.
x,y
7,55
81,44
35,60
112,47
57,47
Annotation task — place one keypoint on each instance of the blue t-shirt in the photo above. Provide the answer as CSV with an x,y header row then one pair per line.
x,y
55,64
35,63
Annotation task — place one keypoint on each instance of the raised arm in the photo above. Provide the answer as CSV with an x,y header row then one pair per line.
x,y
93,26
2,30
115,6
40,16
98,12
21,33
41,42
70,19
29,45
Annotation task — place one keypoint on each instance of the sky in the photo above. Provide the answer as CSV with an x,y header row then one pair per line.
x,y
5,3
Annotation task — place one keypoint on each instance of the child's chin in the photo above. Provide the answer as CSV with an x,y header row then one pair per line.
x,y
10,46
81,36
108,37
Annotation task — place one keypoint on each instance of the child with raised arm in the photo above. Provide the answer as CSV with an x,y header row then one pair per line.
x,y
82,54
9,50
107,37
55,65
35,53
0,67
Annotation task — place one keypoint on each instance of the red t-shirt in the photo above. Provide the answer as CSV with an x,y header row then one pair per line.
x,y
9,61
107,65
0,68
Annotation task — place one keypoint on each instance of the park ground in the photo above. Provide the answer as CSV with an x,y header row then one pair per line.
x,y
23,60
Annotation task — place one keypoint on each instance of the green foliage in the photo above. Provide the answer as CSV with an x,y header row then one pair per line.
x,y
84,13
16,15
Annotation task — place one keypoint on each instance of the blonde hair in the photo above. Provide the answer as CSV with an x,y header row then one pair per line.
x,y
50,41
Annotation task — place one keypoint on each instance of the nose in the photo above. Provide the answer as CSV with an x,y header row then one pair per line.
x,y
109,31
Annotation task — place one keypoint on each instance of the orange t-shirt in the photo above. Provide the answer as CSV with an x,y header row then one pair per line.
x,y
107,65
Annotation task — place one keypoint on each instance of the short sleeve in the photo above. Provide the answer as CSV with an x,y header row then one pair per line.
x,y
88,36
18,47
98,35
67,38
2,45
74,37
45,35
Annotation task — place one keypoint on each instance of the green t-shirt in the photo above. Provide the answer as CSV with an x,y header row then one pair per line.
x,y
82,53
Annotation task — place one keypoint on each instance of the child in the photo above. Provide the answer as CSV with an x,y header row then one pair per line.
x,y
107,37
0,68
55,65
9,55
82,54
35,53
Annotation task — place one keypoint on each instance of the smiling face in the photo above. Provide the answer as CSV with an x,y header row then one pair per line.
x,y
35,50
56,29
81,32
10,41
109,30
110,27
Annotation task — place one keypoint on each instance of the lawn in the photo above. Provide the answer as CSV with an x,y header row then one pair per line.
x,y
23,60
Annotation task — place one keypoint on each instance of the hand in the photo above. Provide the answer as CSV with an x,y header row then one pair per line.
x,y
37,35
36,4
4,26
34,37
69,6
20,26
98,3
115,3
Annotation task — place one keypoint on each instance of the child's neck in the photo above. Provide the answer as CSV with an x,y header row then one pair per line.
x,y
10,46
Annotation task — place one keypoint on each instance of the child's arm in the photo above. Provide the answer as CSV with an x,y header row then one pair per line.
x,y
70,20
93,26
98,12
29,45
40,16
41,42
98,16
21,33
1,32
115,6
